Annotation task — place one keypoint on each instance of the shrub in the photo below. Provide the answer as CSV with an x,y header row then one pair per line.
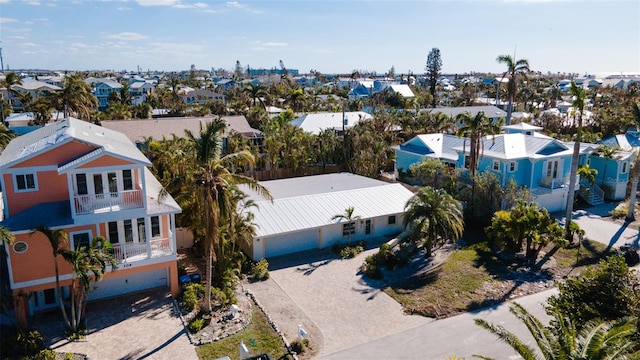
x,y
48,355
20,343
371,268
260,270
191,293
195,325
620,211
350,251
298,346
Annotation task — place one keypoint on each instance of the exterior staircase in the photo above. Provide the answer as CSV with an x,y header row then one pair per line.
x,y
591,193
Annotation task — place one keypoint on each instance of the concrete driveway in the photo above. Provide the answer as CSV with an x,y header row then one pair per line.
x,y
135,326
330,299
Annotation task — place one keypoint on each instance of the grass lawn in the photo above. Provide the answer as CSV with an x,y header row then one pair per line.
x,y
259,337
474,277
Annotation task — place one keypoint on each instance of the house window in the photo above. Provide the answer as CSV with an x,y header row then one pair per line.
x,y
81,183
81,239
127,180
155,226
392,220
513,166
496,165
97,186
26,182
624,167
49,296
367,227
113,232
348,229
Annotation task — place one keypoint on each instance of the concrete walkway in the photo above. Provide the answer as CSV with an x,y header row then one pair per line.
x,y
135,326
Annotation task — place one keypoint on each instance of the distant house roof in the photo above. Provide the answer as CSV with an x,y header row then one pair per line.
x,y
29,145
138,130
318,122
440,146
490,111
522,127
30,85
403,90
627,142
311,201
108,83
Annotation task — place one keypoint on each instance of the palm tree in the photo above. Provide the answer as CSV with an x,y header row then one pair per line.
x,y
636,170
56,238
578,106
256,92
595,341
475,128
514,69
75,98
435,216
11,79
350,222
215,182
295,97
88,264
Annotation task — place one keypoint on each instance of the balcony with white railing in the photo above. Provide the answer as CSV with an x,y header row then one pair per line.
x,y
132,252
101,203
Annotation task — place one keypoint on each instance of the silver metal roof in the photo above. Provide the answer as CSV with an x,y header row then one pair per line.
x,y
302,212
318,122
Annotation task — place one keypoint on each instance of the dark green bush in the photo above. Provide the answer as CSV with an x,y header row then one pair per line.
x,y
260,270
191,294
20,343
195,325
298,346
371,267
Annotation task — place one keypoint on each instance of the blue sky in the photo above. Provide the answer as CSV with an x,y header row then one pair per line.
x,y
329,36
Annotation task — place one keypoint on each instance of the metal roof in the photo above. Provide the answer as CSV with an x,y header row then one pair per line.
x,y
63,131
312,211
53,214
518,146
442,145
489,110
318,122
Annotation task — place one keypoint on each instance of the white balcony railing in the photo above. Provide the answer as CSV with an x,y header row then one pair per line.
x,y
141,251
99,203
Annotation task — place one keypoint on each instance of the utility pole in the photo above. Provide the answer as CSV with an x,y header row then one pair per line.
x,y
1,62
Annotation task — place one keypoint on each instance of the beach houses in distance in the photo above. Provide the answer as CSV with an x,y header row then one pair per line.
x,y
87,181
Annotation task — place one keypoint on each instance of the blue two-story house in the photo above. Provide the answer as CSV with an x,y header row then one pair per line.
x,y
532,160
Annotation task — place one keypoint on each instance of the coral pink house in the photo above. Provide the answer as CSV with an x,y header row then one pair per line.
x,y
88,181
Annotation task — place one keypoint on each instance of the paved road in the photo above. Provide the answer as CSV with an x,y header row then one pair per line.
x,y
456,336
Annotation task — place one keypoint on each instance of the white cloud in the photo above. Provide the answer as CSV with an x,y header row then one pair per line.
x,y
123,8
4,1
158,2
28,44
127,36
7,20
275,44
17,37
32,2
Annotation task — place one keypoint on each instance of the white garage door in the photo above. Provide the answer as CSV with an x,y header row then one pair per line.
x,y
129,283
290,243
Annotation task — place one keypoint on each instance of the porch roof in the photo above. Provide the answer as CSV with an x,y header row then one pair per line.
x,y
52,214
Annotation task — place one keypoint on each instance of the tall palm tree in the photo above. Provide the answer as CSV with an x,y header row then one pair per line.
x,y
475,128
595,341
514,69
434,215
256,92
214,181
350,221
636,169
56,238
578,106
76,98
